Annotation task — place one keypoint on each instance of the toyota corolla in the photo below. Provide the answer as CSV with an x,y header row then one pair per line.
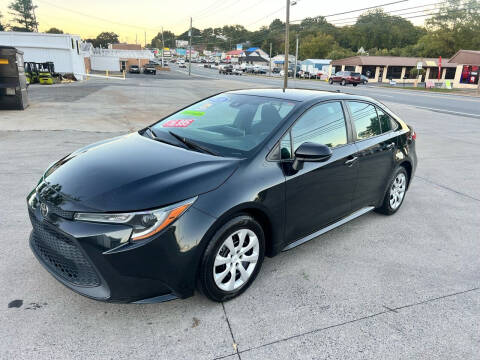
x,y
196,200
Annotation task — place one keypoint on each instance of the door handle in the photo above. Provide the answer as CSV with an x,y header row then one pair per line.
x,y
351,161
390,146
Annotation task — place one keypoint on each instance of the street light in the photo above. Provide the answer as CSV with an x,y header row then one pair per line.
x,y
285,61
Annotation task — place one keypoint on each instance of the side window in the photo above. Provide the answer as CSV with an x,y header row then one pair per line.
x,y
322,124
286,147
365,119
386,122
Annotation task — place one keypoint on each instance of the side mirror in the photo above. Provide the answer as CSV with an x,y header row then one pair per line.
x,y
311,152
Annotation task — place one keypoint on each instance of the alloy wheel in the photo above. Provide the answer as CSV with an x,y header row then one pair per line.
x,y
397,190
236,260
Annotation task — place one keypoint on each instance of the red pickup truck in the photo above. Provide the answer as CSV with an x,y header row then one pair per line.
x,y
346,77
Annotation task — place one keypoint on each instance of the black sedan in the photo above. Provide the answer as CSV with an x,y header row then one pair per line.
x,y
196,200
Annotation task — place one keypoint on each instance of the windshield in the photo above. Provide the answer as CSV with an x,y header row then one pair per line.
x,y
228,124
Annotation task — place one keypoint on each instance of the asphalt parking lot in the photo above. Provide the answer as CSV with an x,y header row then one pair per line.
x,y
399,287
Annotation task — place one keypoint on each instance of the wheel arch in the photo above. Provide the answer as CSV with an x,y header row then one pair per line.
x,y
407,165
257,212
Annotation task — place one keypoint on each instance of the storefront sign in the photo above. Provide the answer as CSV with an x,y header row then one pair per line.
x,y
419,65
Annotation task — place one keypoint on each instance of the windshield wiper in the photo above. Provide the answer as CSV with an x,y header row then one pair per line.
x,y
154,136
192,145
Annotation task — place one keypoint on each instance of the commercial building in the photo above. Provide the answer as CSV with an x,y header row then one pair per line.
x,y
255,56
468,66
61,49
279,60
117,60
315,65
397,68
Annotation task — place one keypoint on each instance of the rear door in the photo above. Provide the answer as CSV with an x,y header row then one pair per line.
x,y
376,145
321,192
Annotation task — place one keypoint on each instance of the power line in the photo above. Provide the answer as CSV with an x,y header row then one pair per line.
x,y
435,12
264,17
357,10
390,12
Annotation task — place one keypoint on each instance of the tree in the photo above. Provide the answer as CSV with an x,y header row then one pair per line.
x,y
54,30
104,39
2,28
168,37
376,29
316,46
23,12
455,26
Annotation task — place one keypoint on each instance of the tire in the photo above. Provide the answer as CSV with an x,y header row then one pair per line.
x,y
343,83
330,81
354,84
224,288
365,82
396,191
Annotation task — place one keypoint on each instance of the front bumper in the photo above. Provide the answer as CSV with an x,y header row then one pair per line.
x,y
90,259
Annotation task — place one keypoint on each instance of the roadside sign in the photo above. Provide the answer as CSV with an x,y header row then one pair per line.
x,y
439,67
419,65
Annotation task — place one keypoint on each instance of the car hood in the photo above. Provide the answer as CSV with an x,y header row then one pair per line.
x,y
132,172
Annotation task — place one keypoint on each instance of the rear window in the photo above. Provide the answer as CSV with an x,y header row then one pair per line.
x,y
355,74
365,120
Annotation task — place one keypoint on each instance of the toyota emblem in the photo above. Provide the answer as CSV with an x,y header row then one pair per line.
x,y
44,209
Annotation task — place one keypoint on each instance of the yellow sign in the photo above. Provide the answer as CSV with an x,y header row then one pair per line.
x,y
3,61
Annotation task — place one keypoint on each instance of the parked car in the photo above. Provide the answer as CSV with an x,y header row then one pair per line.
x,y
150,68
134,69
181,64
364,79
197,199
237,71
226,69
345,77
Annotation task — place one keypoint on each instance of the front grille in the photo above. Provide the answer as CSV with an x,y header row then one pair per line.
x,y
62,256
59,212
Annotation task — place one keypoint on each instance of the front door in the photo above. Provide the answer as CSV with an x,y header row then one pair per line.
x,y
321,192
123,65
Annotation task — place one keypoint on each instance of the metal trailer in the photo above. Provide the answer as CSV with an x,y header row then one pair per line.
x,y
13,84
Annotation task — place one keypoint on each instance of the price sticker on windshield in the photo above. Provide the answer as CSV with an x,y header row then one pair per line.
x,y
179,123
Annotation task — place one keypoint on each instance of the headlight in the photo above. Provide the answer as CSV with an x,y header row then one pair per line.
x,y
144,223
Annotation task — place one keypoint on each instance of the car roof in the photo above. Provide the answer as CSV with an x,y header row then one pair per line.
x,y
301,95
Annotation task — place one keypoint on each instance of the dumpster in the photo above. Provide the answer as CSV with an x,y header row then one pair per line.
x,y
13,85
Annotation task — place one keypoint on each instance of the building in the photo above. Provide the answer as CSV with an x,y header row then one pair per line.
x,y
383,69
315,65
255,56
118,60
125,46
279,60
468,64
61,49
234,55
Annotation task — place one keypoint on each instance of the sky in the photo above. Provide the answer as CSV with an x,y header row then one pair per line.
x,y
132,19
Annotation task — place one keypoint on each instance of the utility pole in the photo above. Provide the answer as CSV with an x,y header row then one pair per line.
x,y
296,60
285,62
190,50
145,39
163,46
136,39
270,65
